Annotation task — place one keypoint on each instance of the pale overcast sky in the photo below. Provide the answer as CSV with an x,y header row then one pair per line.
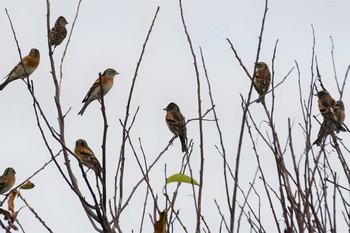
x,y
110,34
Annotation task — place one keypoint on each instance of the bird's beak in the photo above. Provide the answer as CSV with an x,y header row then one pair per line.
x,y
164,109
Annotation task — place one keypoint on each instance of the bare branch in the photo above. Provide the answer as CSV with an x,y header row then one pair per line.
x,y
120,167
199,102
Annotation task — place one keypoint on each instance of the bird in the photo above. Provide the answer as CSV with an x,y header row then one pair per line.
x,y
333,113
24,68
87,157
59,32
339,115
176,123
327,127
326,105
262,80
95,90
7,180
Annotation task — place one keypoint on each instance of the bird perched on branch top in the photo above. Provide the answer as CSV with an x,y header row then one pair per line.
x,y
333,113
262,80
85,156
339,115
326,105
95,90
24,68
7,180
59,32
176,124
331,110
327,127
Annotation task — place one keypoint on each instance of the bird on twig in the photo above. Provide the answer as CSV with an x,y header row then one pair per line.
x,y
7,180
87,157
176,124
262,80
24,68
95,90
333,113
59,32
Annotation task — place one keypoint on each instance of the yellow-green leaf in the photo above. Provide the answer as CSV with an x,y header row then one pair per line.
x,y
27,185
181,178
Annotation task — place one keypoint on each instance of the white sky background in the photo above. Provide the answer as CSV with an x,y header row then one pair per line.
x,y
111,34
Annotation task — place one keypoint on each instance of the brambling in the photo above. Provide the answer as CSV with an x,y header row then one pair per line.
x,y
176,123
95,90
58,32
327,127
326,105
7,180
262,80
333,113
30,63
339,115
85,156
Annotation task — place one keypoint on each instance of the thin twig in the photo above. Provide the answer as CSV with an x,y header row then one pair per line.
x,y
240,143
68,42
35,214
199,102
120,167
223,151
104,149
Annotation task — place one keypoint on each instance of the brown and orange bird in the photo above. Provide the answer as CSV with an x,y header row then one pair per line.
x,y
95,90
86,157
24,68
262,80
331,110
59,32
176,124
333,113
326,105
327,127
7,180
339,115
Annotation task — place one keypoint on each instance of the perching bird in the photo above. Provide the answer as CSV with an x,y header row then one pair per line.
x,y
95,90
176,123
58,32
30,63
333,113
7,180
85,155
326,105
262,80
327,127
339,115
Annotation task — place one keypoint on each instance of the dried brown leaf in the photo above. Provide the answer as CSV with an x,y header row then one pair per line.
x,y
6,214
160,225
11,203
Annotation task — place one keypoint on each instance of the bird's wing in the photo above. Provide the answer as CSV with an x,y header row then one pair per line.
x,y
95,87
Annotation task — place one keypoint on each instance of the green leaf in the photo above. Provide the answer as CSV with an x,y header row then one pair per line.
x,y
181,178
27,185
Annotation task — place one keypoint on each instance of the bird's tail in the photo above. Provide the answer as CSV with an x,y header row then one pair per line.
x,y
183,143
81,112
318,141
98,171
261,99
4,84
340,127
